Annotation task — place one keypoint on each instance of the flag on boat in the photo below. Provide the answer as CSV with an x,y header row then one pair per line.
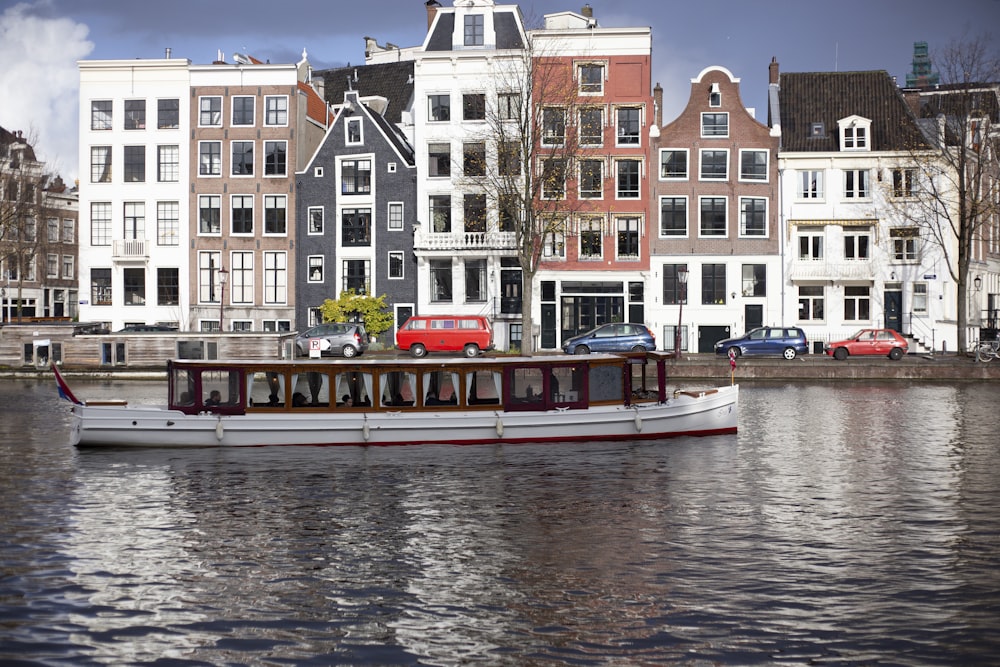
x,y
732,359
64,391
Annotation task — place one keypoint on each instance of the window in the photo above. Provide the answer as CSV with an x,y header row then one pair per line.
x,y
168,164
713,284
52,265
509,106
210,158
100,115
713,216
440,213
210,111
857,244
810,243
903,182
753,165
439,107
167,223
591,239
714,165
135,164
100,287
474,159
591,126
134,220
509,158
810,184
628,179
508,213
241,282
905,243
474,106
673,216
753,217
100,223
135,114
168,114
134,286
474,30
68,230
396,265
857,303
275,158
356,226
243,110
553,126
241,214
356,177
242,158
353,130
715,124
855,137
591,179
628,238
591,79
856,184
475,280
629,126
673,291
395,215
440,274
474,210
811,302
100,164
554,242
315,274
315,218
817,130
553,179
920,298
209,214
275,277
715,96
673,163
275,214
439,160
276,110
68,264
168,287
754,280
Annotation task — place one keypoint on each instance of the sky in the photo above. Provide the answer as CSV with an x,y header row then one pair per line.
x,y
42,40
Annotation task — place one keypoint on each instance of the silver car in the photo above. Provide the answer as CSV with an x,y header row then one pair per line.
x,y
333,338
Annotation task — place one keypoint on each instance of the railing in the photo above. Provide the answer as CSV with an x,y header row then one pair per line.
x,y
464,241
129,249
819,269
921,330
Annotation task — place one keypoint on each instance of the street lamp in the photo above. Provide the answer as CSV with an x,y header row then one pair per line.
x,y
223,276
682,278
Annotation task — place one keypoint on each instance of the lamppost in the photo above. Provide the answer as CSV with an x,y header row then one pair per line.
x,y
223,277
682,278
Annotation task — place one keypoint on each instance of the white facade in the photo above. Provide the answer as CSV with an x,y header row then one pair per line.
x,y
134,182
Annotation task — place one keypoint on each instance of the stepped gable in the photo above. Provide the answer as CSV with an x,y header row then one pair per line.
x,y
807,98
393,81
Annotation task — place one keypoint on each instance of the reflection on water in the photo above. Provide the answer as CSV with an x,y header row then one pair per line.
x,y
848,523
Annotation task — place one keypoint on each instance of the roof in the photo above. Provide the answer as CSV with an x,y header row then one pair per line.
x,y
316,108
506,26
806,98
393,81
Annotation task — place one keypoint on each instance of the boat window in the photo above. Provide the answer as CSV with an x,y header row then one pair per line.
x,y
220,388
266,389
526,385
183,387
354,389
605,382
566,384
483,387
398,388
645,383
314,387
440,388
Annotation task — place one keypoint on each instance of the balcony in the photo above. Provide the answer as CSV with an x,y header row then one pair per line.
x,y
459,241
129,250
835,271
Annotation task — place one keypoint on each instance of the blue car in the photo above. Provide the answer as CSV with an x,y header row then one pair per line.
x,y
617,337
785,342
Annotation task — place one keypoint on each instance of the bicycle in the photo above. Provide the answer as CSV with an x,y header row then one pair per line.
x,y
987,350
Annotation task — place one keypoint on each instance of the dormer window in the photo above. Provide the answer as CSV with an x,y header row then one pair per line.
x,y
817,130
474,30
714,96
855,133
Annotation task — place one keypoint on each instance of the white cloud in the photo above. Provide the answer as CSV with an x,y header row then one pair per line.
x,y
39,83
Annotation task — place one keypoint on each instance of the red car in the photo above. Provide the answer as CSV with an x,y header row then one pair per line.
x,y
885,342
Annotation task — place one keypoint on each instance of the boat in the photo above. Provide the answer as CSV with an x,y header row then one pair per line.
x,y
406,401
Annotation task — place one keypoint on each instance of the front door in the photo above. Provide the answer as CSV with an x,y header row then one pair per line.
x,y
708,336
894,310
753,313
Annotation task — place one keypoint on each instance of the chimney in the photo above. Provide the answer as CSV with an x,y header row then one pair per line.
x,y
220,58
167,53
658,103
772,71
587,11
432,10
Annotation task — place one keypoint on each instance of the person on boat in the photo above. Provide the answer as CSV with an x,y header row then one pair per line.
x,y
298,400
347,401
215,398
432,399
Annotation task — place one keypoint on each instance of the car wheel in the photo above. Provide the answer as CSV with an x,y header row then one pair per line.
x,y
350,351
840,353
638,348
471,350
418,350
581,349
896,353
789,353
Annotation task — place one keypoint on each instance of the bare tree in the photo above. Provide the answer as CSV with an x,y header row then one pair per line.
x,y
953,198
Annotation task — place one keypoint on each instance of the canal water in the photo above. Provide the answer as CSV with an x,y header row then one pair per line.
x,y
846,524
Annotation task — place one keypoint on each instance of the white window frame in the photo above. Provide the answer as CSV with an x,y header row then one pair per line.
x,y
314,262
855,192
857,300
310,215
767,165
813,299
277,110
817,244
701,227
275,198
687,163
232,110
218,172
202,111
275,278
687,217
354,123
701,165
241,278
599,90
765,233
402,264
395,210
263,165
857,233
233,162
714,126
253,213
591,225
809,185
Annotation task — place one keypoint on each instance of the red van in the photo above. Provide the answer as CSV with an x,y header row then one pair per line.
x,y
470,334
